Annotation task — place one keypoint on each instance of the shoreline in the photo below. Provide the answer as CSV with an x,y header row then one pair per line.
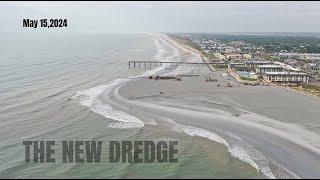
x,y
260,115
204,59
265,134
300,92
195,51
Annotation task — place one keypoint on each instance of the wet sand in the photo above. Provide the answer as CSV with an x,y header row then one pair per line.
x,y
275,130
275,121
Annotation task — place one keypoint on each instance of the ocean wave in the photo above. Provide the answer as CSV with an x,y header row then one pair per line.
x,y
236,146
90,97
245,152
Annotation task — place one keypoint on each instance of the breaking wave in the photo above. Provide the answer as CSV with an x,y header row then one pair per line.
x,y
90,97
236,146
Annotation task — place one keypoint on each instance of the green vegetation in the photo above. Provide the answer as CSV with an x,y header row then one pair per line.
x,y
275,43
248,79
184,41
211,56
312,87
220,66
294,85
245,68
271,43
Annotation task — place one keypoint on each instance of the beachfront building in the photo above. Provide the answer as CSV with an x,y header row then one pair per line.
x,y
248,64
269,68
287,67
285,77
276,67
269,71
257,63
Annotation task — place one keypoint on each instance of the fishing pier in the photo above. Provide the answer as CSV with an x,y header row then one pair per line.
x,y
139,64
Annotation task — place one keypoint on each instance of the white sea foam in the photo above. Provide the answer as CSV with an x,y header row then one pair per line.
x,y
125,125
237,147
161,45
90,97
245,152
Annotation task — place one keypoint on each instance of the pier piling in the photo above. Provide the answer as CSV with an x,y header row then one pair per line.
x,y
155,63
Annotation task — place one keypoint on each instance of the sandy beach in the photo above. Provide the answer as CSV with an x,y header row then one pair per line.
x,y
186,50
277,129
160,90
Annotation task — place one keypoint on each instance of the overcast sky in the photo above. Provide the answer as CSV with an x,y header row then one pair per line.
x,y
132,17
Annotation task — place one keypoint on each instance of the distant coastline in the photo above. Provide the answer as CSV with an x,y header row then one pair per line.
x,y
259,115
179,44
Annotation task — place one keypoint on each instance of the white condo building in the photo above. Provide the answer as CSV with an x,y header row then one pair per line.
x,y
286,77
283,73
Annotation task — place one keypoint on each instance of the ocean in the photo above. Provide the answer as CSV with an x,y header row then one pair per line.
x,y
55,87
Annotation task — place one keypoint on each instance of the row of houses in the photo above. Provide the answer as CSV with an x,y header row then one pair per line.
x,y
219,56
305,56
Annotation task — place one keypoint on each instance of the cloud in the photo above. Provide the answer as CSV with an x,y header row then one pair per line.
x,y
33,4
168,16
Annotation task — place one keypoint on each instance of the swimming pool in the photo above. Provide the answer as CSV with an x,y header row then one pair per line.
x,y
244,74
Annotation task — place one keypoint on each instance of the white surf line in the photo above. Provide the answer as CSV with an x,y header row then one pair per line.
x,y
180,46
90,97
194,114
253,124
235,150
